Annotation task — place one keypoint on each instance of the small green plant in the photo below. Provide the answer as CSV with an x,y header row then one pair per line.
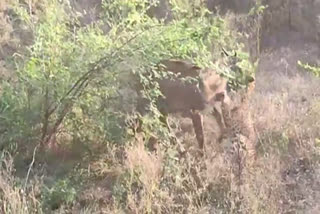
x,y
61,193
258,11
315,70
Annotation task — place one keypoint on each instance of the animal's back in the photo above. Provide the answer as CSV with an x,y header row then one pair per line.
x,y
183,96
180,96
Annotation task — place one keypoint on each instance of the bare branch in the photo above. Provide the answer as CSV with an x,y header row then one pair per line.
x,y
30,167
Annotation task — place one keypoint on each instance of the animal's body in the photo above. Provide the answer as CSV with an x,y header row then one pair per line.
x,y
189,98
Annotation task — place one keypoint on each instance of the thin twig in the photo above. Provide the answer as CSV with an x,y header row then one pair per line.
x,y
30,166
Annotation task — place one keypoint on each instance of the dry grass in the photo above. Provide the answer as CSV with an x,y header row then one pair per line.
x,y
131,179
14,199
284,179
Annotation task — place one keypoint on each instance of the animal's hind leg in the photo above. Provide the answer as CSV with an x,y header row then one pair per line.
x,y
197,120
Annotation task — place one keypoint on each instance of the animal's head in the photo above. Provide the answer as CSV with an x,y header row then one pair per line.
x,y
210,84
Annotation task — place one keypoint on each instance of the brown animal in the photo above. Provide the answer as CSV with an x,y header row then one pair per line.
x,y
187,97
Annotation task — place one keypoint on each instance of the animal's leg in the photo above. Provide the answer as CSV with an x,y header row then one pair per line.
x,y
221,125
197,121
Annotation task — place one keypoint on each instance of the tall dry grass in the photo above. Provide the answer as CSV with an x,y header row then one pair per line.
x,y
13,197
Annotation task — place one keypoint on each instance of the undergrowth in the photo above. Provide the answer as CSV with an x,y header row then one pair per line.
x,y
68,105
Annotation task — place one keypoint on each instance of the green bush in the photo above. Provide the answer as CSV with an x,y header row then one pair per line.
x,y
61,193
70,76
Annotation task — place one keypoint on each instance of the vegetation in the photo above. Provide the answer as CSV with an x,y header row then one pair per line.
x,y
67,108
312,69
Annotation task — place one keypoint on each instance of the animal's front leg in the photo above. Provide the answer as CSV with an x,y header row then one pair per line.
x,y
197,120
217,115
